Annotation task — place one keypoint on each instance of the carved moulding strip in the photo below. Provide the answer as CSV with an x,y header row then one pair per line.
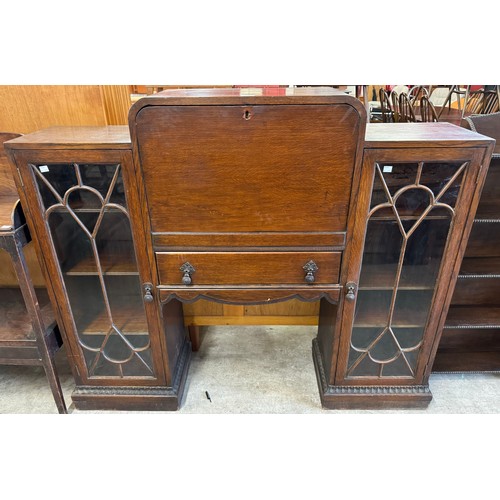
x,y
377,389
87,397
367,396
248,297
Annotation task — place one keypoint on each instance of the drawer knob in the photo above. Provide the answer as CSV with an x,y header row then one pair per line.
x,y
310,268
351,290
187,269
148,289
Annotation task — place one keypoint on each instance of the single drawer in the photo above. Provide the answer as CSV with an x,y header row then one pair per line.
x,y
248,268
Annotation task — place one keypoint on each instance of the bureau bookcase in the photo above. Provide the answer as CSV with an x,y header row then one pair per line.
x,y
246,199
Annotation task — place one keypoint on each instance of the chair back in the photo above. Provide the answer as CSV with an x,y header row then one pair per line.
x,y
483,101
385,106
416,93
406,112
427,110
395,106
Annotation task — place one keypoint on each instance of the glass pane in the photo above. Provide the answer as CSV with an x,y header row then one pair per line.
x,y
54,180
405,242
91,233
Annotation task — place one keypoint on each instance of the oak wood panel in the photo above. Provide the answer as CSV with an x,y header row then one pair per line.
x,y
15,323
203,308
471,339
291,308
8,276
254,240
26,108
485,266
489,205
484,241
7,212
279,170
117,102
252,268
473,316
256,320
454,360
7,184
477,292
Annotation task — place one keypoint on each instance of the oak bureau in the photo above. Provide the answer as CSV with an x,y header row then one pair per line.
x,y
251,196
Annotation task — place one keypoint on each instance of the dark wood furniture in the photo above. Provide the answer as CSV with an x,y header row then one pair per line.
x,y
243,197
471,336
85,212
28,331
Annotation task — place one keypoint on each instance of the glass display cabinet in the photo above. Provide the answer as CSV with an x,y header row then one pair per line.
x,y
80,202
414,220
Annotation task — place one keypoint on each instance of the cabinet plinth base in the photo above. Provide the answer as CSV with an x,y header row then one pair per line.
x,y
367,397
136,398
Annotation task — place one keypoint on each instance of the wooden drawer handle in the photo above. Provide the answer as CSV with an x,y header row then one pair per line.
x,y
187,269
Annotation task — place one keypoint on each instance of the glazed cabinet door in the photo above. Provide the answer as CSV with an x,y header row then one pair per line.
x,y
416,220
80,203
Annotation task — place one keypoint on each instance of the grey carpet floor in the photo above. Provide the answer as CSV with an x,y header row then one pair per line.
x,y
252,370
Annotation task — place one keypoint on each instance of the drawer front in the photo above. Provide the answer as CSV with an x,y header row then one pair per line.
x,y
248,268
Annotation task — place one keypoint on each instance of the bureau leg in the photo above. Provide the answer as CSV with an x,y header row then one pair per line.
x,y
195,337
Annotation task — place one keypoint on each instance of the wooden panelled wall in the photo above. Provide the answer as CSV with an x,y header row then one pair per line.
x,y
27,108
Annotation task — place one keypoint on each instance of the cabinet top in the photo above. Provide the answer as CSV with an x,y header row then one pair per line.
x,y
378,135
403,135
264,95
254,96
111,137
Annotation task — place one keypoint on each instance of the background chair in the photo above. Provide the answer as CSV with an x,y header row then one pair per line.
x,y
416,93
406,112
427,110
28,331
385,107
443,95
482,101
395,106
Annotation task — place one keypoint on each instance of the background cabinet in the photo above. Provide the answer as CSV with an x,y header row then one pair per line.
x,y
471,335
29,334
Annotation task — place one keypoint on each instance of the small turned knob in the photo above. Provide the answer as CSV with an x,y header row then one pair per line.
x,y
351,291
310,268
187,269
148,289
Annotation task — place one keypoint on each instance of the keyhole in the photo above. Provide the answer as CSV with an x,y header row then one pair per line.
x,y
247,115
